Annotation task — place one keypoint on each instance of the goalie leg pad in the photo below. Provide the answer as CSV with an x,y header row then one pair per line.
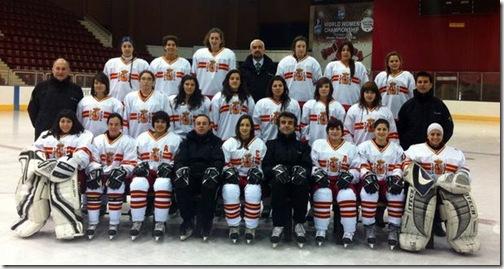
x,y
416,223
65,208
32,206
459,212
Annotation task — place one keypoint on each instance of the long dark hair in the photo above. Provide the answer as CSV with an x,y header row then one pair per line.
x,y
243,93
55,129
195,100
285,95
101,77
322,81
244,143
351,48
370,86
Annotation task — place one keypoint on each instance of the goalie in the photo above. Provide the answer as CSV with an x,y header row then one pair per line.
x,y
49,185
436,171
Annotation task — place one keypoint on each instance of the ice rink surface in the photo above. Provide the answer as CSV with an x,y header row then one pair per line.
x,y
479,141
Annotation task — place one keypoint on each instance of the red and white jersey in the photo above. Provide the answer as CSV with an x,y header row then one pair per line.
x,y
346,88
265,115
138,111
115,153
157,151
395,90
436,162
78,145
182,118
241,158
211,70
382,162
93,113
359,123
169,74
300,76
314,120
224,115
119,73
343,158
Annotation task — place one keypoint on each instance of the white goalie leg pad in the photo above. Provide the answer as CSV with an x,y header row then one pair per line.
x,y
461,216
65,208
419,209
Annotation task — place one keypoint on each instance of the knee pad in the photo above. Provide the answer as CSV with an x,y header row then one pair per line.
x,y
231,193
139,184
419,209
461,216
162,184
252,193
346,194
65,208
323,195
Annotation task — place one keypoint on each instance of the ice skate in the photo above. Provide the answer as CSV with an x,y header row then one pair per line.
x,y
135,230
320,237
234,234
393,236
112,231
159,230
91,230
370,235
300,235
348,239
249,235
276,236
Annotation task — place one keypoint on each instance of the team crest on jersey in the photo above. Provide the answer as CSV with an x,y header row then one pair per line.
x,y
96,114
370,125
345,78
247,160
258,157
235,107
123,76
438,167
169,74
109,158
211,66
380,167
299,75
334,164
274,117
392,88
155,155
322,118
59,151
144,116
185,118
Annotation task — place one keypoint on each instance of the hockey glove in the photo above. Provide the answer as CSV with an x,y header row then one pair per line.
x,y
116,178
281,174
254,175
371,183
344,180
321,178
230,175
298,175
94,179
141,170
164,170
210,178
181,177
395,184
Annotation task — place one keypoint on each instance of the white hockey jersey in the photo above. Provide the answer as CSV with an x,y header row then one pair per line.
x,y
359,123
445,160
265,115
169,74
157,151
78,145
382,162
211,70
138,111
182,118
93,114
300,76
224,115
343,158
119,75
395,91
241,158
110,154
315,119
346,88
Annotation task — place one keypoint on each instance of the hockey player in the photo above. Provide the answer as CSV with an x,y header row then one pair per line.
x,y
287,165
184,106
113,160
395,85
197,179
227,106
300,71
242,175
123,72
211,64
267,109
169,68
49,184
347,76
381,178
433,171
140,105
334,176
93,111
318,111
360,118
154,172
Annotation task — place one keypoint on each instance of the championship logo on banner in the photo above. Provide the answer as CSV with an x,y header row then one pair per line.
x,y
331,24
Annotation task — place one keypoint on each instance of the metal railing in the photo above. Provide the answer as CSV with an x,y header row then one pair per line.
x,y
32,77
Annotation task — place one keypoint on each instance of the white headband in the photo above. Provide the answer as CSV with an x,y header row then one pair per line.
x,y
434,126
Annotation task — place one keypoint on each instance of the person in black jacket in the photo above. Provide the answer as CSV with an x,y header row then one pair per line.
x,y
52,96
287,165
257,70
198,163
420,111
